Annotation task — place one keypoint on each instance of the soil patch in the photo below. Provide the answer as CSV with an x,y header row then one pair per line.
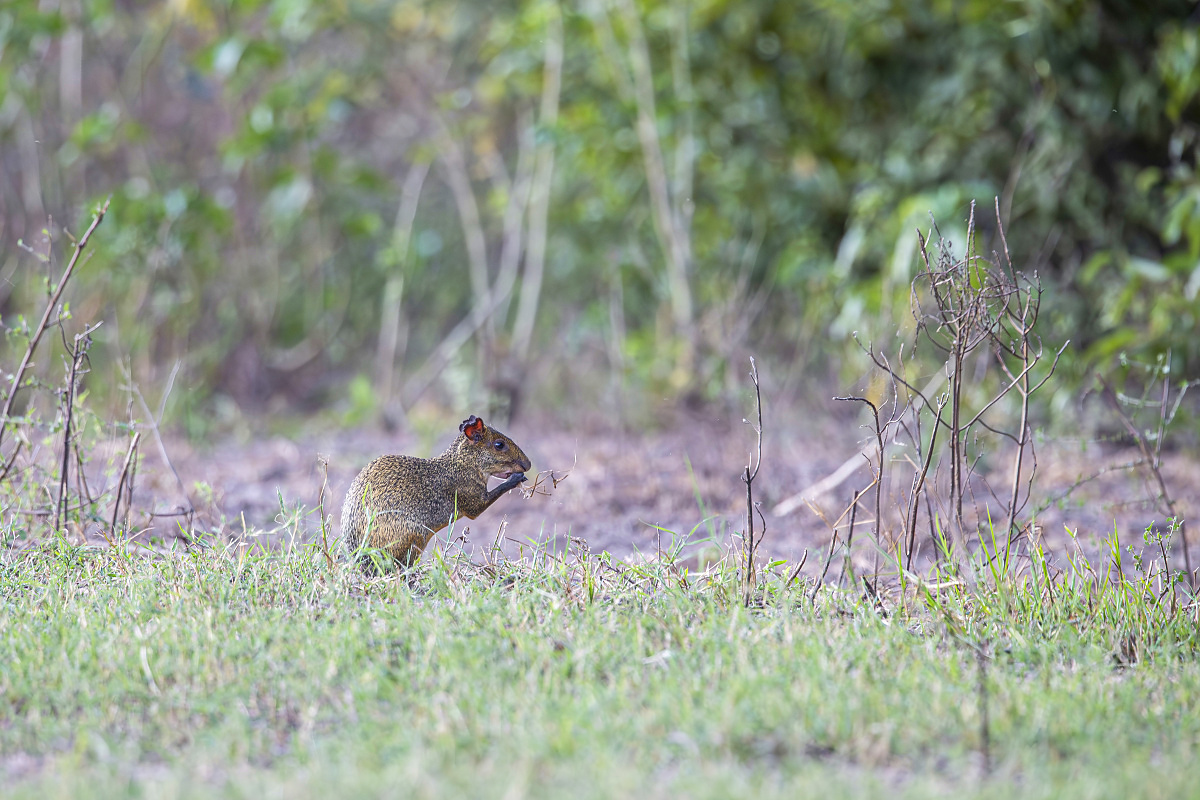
x,y
628,493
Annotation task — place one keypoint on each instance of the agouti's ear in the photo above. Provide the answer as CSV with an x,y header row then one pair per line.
x,y
472,428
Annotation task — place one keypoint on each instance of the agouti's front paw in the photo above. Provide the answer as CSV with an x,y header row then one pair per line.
x,y
511,480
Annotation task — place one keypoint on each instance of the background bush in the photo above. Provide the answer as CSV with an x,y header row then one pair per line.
x,y
724,175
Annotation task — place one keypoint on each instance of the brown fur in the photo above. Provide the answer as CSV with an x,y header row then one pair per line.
x,y
397,503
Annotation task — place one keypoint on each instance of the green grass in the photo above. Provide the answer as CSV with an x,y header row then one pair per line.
x,y
217,673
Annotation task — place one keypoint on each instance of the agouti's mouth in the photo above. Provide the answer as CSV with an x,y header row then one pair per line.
x,y
504,475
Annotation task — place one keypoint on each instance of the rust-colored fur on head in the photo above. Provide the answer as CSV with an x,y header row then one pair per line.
x,y
492,452
472,427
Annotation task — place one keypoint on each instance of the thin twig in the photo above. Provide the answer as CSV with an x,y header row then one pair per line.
x,y
854,462
847,564
824,570
878,475
759,426
748,477
800,566
78,353
45,322
1152,464
919,483
125,472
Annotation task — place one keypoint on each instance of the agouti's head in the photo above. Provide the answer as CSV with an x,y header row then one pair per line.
x,y
495,453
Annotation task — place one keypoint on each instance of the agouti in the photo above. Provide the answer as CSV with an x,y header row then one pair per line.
x,y
397,503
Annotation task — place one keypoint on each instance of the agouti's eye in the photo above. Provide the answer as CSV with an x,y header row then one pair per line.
x,y
499,444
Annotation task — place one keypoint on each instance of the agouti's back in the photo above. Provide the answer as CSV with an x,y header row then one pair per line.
x,y
397,503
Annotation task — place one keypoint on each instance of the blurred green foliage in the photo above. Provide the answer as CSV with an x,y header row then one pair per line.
x,y
257,152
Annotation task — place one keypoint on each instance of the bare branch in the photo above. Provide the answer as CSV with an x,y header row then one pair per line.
x,y
125,474
51,304
1152,463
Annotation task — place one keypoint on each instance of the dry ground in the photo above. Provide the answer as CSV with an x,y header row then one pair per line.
x,y
684,479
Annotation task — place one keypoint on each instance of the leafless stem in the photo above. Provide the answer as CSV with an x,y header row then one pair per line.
x,y
854,463
847,564
750,545
1022,442
878,474
52,304
919,483
800,566
824,570
126,472
1151,461
78,351
960,350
